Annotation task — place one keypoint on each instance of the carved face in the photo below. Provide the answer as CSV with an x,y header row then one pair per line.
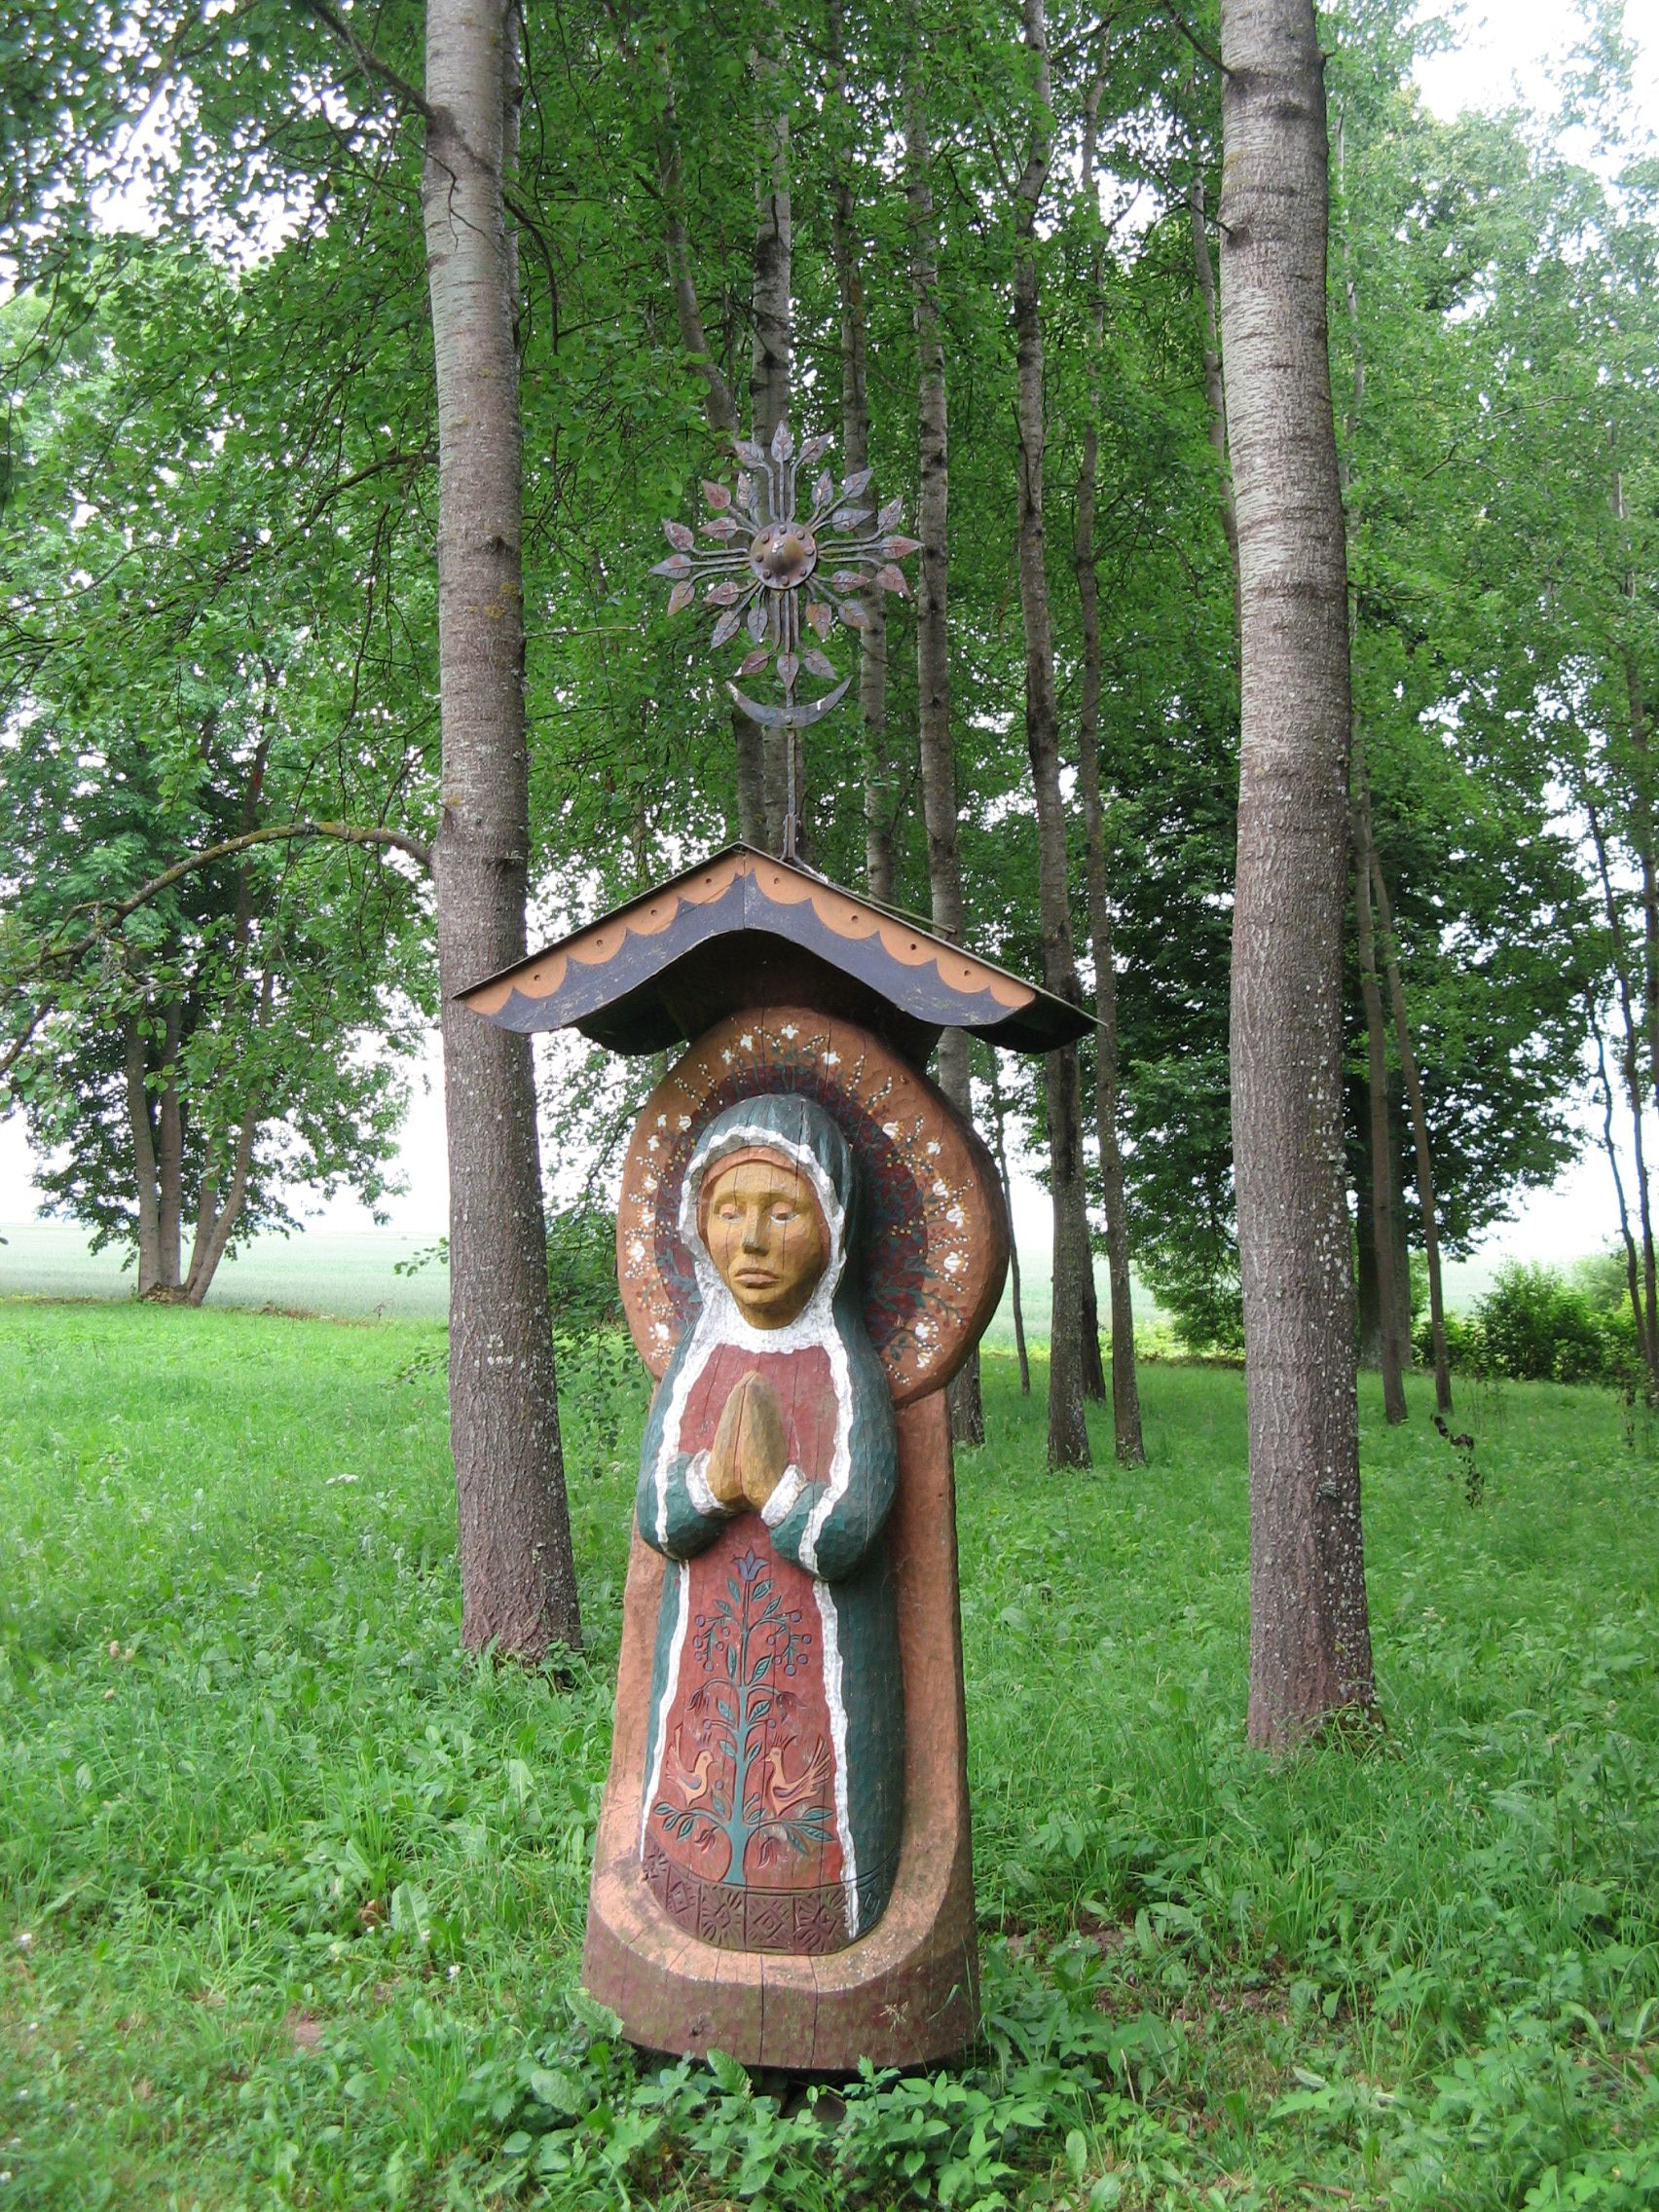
x,y
765,1235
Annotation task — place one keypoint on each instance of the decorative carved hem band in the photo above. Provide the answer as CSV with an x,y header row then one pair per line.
x,y
744,1919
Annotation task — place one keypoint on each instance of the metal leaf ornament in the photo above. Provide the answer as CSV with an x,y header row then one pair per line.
x,y
761,556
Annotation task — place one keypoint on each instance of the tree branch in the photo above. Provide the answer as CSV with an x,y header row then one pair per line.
x,y
110,918
1193,39
370,62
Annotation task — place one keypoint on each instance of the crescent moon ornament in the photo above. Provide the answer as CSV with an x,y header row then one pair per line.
x,y
792,716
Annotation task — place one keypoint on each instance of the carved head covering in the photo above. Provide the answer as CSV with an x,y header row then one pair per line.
x,y
798,1129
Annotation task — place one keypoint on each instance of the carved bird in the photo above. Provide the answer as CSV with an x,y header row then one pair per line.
x,y
784,1795
689,1782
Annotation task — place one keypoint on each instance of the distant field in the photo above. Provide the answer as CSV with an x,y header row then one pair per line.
x,y
352,1273
321,1271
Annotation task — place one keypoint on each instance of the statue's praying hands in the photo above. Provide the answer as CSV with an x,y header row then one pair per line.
x,y
750,1448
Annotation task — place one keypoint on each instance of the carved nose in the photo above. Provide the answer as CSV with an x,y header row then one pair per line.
x,y
754,1231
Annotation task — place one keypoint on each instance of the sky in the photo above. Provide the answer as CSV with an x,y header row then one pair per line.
x,y
1499,56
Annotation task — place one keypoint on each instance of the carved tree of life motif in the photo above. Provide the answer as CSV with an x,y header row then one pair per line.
x,y
774,1783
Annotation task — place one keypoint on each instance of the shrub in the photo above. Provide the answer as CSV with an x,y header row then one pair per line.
x,y
1536,1326
1465,1346
581,1269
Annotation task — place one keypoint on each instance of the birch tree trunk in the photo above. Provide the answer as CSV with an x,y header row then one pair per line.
x,y
1125,1385
1068,1433
1309,1630
518,1579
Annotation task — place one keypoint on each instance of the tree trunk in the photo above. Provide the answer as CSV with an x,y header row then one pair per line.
x,y
217,1217
1641,1309
1391,1352
1068,1433
1310,1630
140,1118
932,647
218,1212
518,1576
999,1147
880,865
1646,1305
720,409
1215,389
770,361
1125,1384
1425,1158
1370,1302
170,1159
1094,1366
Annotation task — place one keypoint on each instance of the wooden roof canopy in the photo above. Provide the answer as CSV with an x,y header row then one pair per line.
x,y
745,929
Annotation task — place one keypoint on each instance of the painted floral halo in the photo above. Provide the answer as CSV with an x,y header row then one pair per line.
x,y
933,1250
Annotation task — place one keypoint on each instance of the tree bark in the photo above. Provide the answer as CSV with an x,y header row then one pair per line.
x,y
880,864
1125,1385
999,1147
1392,1354
1068,1433
140,1116
1370,1302
1644,1303
518,1577
1423,1156
720,408
1094,1366
1309,1629
1215,388
170,1158
770,361
932,645
1640,1310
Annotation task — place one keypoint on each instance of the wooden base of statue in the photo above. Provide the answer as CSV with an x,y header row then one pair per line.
x,y
906,1993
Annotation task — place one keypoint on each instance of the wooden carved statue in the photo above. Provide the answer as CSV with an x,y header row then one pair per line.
x,y
773,1788
809,1241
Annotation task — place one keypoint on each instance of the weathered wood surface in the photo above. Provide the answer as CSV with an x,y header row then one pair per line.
x,y
616,980
902,1995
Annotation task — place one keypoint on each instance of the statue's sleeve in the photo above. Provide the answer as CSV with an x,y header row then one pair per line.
x,y
829,1528
677,1512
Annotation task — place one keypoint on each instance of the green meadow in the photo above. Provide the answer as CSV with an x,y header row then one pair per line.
x,y
291,1893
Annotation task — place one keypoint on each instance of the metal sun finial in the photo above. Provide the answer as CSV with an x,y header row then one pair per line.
x,y
758,568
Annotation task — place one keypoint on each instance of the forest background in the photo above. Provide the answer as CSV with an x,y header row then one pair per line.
x,y
1501,1053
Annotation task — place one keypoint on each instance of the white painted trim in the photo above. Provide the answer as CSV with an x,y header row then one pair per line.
x,y
840,1458
831,1626
671,1681
697,1486
783,1501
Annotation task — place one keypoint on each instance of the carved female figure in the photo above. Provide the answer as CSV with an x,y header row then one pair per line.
x,y
774,1749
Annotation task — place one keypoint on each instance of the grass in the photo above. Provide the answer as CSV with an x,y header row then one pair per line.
x,y
291,1894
